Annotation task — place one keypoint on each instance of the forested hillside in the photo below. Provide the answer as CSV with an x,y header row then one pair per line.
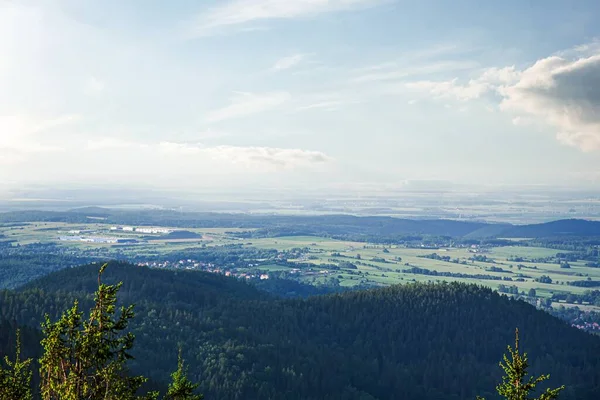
x,y
17,269
418,341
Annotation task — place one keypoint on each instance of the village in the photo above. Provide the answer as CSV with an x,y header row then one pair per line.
x,y
253,271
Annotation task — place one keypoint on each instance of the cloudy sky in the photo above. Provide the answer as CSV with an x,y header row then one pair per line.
x,y
236,93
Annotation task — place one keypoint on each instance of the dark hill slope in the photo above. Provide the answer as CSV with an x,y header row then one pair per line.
x,y
402,342
18,269
146,284
560,228
383,226
488,231
30,337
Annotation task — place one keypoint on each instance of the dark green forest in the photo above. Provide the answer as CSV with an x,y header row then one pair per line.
x,y
418,341
18,269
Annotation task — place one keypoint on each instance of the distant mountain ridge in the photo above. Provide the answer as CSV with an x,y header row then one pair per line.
x,y
563,227
323,225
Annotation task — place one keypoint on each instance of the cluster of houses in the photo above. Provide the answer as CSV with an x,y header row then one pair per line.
x,y
587,326
96,239
190,264
88,239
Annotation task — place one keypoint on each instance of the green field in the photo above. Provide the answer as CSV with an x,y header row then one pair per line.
x,y
376,265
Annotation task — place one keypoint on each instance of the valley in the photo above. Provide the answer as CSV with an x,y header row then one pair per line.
x,y
291,307
548,277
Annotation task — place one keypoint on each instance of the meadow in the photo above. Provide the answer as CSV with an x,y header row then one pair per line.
x,y
375,264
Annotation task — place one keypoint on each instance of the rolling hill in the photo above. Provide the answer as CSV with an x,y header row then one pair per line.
x,y
418,341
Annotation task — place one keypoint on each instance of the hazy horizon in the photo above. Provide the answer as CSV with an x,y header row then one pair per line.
x,y
515,204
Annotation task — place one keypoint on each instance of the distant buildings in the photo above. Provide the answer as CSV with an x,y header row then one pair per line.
x,y
89,239
147,230
190,264
79,231
153,230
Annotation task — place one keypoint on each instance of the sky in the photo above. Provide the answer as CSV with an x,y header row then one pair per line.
x,y
299,93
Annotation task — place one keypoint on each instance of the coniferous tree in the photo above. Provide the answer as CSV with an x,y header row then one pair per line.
x,y
515,385
15,380
85,359
181,388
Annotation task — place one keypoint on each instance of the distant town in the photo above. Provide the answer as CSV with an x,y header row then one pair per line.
x,y
75,234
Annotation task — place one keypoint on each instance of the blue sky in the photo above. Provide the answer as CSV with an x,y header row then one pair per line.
x,y
298,93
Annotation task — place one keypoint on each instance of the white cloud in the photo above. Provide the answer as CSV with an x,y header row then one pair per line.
x,y
166,163
289,62
581,51
391,71
328,100
244,104
220,157
491,79
589,48
246,156
564,93
328,105
449,88
249,156
239,12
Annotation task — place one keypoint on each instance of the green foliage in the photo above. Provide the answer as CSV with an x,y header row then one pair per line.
x,y
15,380
181,388
85,359
400,342
515,384
19,265
544,279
